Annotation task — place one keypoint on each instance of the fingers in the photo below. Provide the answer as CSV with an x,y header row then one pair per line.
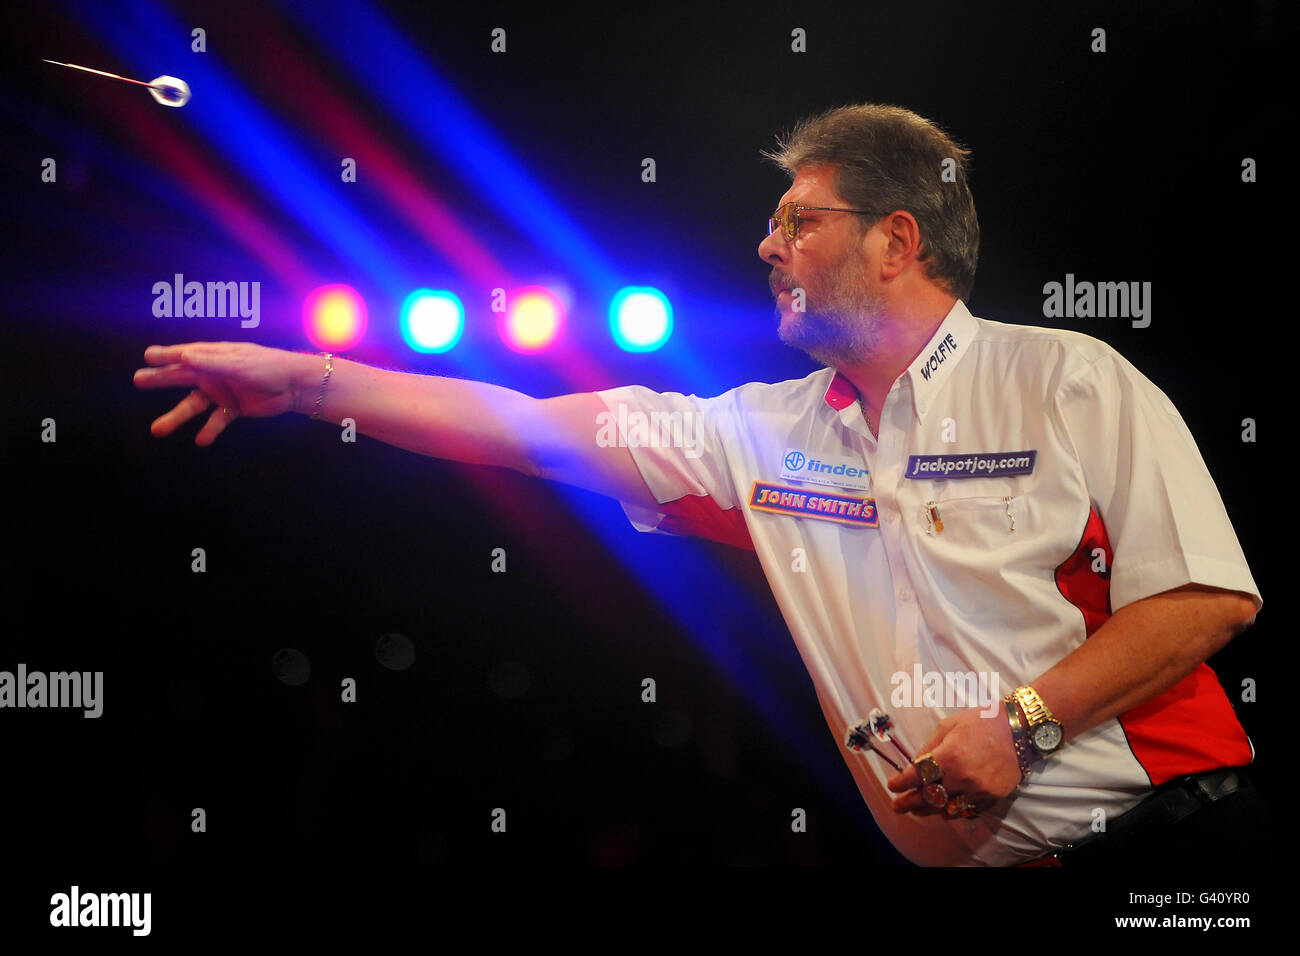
x,y
909,779
193,404
166,377
187,364
202,356
217,422
189,406
913,802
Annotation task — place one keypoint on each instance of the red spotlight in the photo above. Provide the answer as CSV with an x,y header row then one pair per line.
x,y
533,319
334,317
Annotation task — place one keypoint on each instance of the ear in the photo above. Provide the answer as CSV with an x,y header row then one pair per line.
x,y
903,242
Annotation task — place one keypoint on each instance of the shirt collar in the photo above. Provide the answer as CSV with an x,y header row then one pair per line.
x,y
938,357
928,371
841,393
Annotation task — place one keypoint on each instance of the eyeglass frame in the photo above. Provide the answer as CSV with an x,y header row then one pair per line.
x,y
792,232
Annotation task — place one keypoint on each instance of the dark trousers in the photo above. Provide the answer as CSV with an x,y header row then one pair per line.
x,y
1234,832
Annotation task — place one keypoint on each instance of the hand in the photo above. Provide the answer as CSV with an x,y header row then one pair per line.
x,y
250,380
977,757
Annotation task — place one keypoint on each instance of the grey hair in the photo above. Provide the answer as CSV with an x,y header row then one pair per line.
x,y
888,158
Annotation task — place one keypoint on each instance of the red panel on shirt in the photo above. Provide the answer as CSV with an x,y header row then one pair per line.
x,y
699,516
1086,589
1190,727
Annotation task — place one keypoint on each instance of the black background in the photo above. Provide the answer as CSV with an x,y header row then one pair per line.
x,y
1116,166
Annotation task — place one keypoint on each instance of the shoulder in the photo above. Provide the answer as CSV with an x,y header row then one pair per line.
x,y
1052,358
1068,347
1071,370
791,396
788,394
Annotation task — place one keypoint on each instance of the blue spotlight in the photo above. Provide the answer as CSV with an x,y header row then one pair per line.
x,y
640,319
432,321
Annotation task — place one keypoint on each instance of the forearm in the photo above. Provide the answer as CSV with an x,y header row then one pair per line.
x,y
441,417
1141,651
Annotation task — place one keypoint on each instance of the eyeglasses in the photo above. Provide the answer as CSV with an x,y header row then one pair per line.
x,y
787,217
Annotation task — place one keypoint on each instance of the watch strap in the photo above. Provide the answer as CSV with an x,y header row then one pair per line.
x,y
1019,736
1036,713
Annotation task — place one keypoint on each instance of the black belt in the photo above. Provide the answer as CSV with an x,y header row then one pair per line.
x,y
1168,804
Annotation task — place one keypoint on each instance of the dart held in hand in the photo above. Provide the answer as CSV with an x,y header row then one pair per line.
x,y
876,734
167,90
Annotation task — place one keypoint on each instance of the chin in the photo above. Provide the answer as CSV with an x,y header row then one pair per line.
x,y
788,329
791,333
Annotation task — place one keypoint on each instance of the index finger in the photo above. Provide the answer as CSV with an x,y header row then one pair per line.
x,y
909,779
194,354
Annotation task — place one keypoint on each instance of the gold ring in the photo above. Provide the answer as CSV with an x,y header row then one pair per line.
x,y
229,413
927,769
935,795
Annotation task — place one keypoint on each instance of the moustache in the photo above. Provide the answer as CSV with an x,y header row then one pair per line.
x,y
779,281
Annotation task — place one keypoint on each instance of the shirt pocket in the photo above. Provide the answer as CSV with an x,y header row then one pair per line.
x,y
973,519
979,561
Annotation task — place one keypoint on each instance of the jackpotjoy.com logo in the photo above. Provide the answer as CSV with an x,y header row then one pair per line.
x,y
951,690
638,429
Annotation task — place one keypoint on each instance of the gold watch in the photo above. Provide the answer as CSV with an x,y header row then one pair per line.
x,y
1045,731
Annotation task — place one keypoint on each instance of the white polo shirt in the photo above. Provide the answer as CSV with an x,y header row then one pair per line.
x,y
1026,483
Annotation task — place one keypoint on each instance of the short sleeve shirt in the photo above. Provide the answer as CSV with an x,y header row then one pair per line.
x,y
1026,483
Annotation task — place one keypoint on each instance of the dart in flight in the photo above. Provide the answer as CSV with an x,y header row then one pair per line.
x,y
167,90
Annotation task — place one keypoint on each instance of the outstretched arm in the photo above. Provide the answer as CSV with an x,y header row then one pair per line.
x,y
456,419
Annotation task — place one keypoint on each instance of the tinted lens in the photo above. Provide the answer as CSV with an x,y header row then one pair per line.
x,y
783,220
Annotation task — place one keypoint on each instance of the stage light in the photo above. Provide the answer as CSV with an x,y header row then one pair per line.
x,y
533,319
640,319
334,317
432,320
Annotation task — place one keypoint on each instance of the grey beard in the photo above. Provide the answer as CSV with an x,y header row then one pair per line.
x,y
833,338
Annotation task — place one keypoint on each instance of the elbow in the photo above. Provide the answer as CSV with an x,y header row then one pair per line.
x,y
1239,611
1243,612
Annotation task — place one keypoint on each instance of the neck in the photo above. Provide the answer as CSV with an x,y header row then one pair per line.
x,y
906,330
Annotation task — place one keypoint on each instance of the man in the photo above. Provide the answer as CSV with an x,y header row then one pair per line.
x,y
1003,537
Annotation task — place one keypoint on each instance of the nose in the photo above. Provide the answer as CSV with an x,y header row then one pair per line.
x,y
773,249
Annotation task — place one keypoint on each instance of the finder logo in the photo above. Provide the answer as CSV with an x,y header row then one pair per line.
x,y
832,470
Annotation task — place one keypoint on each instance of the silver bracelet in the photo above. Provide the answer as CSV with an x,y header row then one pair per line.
x,y
1018,736
329,369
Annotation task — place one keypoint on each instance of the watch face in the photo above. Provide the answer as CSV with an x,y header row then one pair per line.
x,y
1047,736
